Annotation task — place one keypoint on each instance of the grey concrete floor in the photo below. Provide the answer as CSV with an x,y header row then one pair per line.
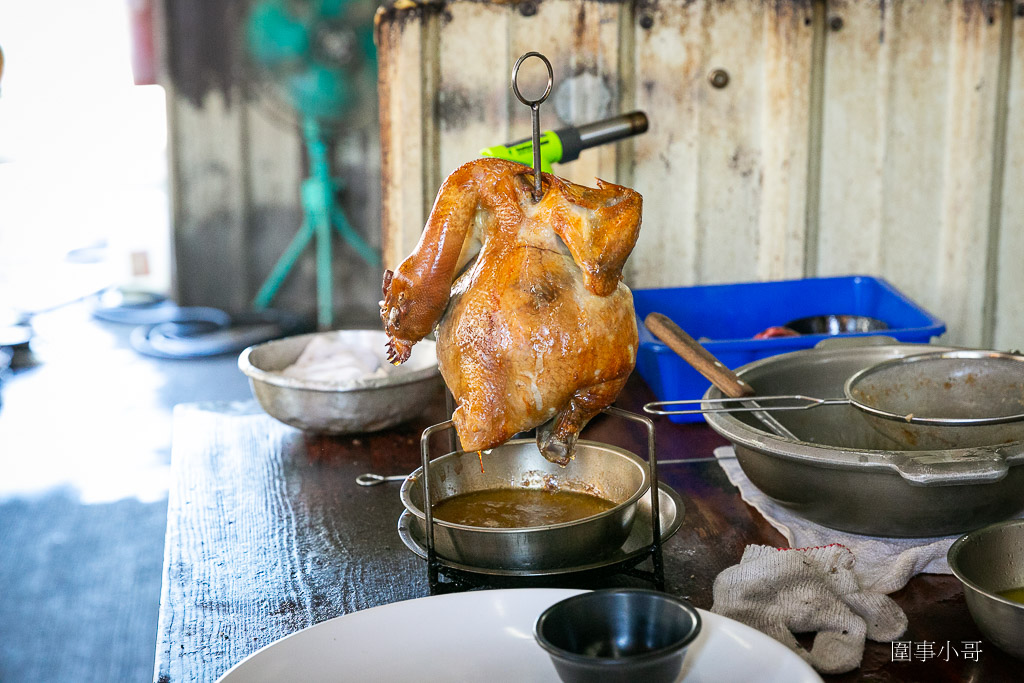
x,y
84,453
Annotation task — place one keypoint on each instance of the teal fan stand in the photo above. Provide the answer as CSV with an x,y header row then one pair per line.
x,y
313,50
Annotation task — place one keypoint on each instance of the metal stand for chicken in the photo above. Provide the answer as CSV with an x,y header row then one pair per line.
x,y
534,106
445,576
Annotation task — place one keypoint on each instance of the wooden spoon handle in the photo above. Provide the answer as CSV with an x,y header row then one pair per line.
x,y
696,355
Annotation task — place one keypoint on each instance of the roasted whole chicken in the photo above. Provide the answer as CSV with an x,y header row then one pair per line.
x,y
534,326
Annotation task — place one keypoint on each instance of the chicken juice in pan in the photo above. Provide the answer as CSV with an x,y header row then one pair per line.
x,y
517,508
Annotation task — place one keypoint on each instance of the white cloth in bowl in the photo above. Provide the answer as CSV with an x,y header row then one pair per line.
x,y
329,359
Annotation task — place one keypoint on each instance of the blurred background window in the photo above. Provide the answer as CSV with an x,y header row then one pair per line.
x,y
83,162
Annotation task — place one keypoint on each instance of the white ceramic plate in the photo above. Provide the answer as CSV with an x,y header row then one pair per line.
x,y
486,636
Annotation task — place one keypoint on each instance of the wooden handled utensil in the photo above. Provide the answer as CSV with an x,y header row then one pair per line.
x,y
702,360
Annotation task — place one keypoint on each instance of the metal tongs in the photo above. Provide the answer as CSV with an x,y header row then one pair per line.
x,y
534,106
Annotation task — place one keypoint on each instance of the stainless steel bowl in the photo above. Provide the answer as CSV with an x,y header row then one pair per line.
x,y
989,561
334,408
599,469
944,399
845,475
836,324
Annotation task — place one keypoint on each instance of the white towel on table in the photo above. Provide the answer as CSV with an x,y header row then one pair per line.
x,y
883,565
811,590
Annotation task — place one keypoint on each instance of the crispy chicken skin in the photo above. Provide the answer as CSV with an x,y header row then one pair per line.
x,y
538,330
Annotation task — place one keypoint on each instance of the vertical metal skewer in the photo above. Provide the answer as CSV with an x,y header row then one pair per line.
x,y
534,106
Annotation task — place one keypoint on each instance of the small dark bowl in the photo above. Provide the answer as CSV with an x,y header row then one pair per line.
x,y
836,324
618,635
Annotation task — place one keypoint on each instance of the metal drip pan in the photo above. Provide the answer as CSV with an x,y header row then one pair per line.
x,y
613,474
635,547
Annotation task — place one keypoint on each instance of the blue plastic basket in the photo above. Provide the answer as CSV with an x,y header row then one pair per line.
x,y
725,318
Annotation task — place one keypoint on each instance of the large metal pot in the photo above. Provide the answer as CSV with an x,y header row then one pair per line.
x,y
599,469
845,475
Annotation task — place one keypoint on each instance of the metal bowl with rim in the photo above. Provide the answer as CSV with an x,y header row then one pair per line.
x,y
988,562
843,474
944,399
836,324
368,405
602,470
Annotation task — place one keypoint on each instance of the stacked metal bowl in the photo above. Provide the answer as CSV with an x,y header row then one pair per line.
x,y
605,471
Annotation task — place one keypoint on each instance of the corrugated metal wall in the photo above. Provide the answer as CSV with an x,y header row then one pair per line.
x,y
880,137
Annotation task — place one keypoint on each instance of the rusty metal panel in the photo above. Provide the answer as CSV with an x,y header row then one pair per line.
x,y
275,164
966,227
788,42
906,152
665,168
404,47
208,201
1008,294
581,39
723,168
786,138
471,106
853,122
206,149
270,178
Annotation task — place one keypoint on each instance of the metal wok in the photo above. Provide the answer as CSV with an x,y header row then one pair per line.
x,y
845,475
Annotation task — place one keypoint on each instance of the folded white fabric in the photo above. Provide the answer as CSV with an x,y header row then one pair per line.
x,y
808,590
884,565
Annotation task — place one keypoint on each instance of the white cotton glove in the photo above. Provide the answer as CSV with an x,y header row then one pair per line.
x,y
808,590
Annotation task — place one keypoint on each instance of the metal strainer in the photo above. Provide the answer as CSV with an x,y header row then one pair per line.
x,y
947,399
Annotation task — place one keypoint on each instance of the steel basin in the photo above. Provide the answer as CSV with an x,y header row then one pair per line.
x,y
988,561
325,407
599,469
845,475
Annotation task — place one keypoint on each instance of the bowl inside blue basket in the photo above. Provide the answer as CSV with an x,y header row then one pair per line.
x,y
833,324
618,635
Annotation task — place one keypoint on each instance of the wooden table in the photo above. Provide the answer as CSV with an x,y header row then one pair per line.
x,y
268,533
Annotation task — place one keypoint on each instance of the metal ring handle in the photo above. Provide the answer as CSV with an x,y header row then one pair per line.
x,y
371,479
515,78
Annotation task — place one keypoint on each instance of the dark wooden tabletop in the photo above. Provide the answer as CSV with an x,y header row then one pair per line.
x,y
268,533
